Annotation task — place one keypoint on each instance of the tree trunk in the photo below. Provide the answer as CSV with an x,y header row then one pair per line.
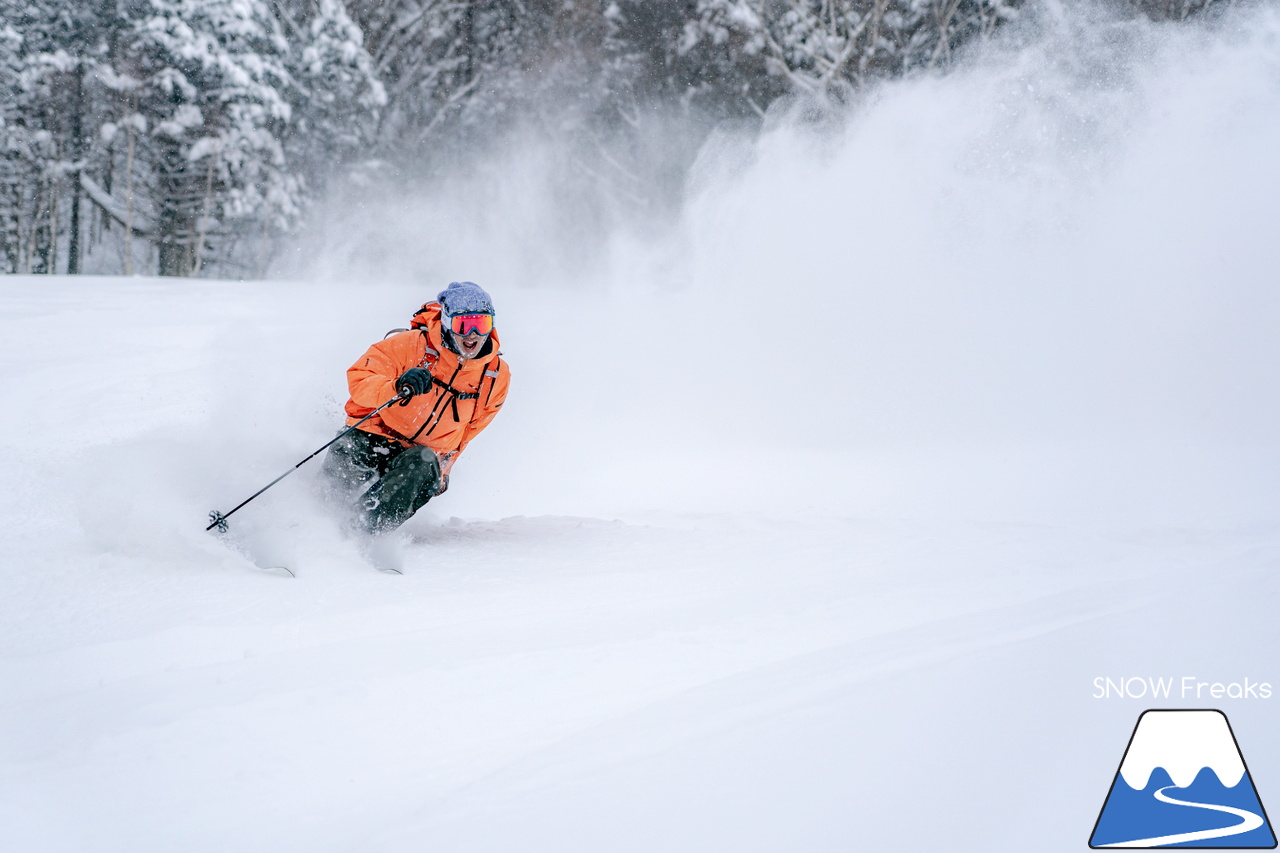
x,y
173,258
469,40
128,191
51,259
73,240
176,195
77,154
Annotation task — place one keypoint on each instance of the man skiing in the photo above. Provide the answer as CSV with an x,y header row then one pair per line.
x,y
448,369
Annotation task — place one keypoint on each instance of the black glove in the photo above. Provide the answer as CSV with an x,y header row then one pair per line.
x,y
414,381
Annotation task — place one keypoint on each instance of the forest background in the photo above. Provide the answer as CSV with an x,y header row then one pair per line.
x,y
211,137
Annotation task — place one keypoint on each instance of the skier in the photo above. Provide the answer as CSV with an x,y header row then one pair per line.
x,y
449,368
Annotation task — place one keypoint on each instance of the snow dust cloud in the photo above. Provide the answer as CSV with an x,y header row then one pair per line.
x,y
1060,250
1069,235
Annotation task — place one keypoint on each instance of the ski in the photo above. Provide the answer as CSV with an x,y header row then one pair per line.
x,y
382,552
263,564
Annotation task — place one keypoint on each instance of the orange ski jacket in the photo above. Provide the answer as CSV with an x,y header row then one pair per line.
x,y
465,394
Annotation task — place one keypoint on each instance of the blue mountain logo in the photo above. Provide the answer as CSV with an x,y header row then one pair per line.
x,y
1183,783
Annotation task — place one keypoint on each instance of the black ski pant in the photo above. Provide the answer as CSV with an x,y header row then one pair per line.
x,y
387,481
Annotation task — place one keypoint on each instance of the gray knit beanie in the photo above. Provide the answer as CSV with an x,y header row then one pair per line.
x,y
465,297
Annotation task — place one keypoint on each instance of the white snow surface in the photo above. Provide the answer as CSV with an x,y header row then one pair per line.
x,y
807,525
1183,743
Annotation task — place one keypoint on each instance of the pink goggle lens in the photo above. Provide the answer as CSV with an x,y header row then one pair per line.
x,y
465,324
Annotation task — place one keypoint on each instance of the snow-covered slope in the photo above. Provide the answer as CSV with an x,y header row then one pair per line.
x,y
808,529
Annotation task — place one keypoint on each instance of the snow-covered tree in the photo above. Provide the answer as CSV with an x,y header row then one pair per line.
x,y
206,83
51,52
182,134
825,48
191,125
1175,10
422,50
336,94
15,172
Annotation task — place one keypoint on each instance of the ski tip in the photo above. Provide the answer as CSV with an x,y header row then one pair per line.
x,y
387,570
281,571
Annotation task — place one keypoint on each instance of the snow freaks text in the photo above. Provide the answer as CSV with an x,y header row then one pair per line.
x,y
1185,687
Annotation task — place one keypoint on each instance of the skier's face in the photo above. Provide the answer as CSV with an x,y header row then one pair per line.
x,y
470,331
469,345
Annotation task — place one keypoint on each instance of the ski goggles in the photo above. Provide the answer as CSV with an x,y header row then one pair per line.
x,y
466,324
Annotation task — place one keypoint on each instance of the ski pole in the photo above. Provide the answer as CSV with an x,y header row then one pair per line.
x,y
219,520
